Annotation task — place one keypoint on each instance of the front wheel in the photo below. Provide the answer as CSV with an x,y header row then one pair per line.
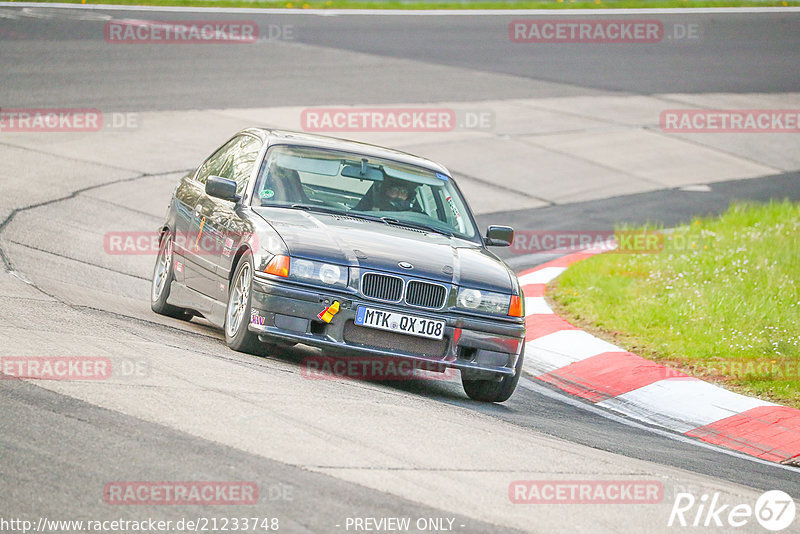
x,y
237,314
492,390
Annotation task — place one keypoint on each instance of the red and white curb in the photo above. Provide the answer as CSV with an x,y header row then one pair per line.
x,y
580,364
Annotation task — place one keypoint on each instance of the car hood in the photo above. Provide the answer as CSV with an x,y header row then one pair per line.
x,y
377,246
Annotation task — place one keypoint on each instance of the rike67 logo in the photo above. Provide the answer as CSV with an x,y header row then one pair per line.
x,y
774,510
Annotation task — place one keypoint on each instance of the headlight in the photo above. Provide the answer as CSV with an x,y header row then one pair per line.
x,y
302,268
483,301
315,271
330,274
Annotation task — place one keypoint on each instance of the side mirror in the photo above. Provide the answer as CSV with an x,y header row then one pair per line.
x,y
219,187
499,236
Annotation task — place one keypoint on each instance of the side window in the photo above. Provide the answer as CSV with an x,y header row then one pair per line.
x,y
243,161
217,164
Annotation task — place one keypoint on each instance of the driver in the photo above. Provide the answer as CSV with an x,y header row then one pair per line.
x,y
390,195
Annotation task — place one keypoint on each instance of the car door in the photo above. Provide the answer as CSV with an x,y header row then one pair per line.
x,y
199,237
229,218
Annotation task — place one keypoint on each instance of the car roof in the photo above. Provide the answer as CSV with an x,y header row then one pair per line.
x,y
286,137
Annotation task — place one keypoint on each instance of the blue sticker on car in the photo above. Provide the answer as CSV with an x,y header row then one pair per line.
x,y
442,176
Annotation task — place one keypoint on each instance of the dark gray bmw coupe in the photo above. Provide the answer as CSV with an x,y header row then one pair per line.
x,y
282,238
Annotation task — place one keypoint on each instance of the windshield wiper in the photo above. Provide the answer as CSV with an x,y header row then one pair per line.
x,y
417,226
321,209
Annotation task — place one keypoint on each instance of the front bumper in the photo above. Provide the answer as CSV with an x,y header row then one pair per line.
x,y
480,348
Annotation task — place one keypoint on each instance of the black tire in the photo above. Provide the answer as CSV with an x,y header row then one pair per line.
x,y
237,336
162,280
493,390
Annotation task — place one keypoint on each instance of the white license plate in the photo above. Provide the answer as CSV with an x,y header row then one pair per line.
x,y
399,322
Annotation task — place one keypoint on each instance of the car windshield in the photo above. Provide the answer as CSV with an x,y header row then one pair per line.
x,y
352,184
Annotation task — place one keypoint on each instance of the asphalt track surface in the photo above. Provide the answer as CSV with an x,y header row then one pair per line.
x,y
729,53
56,450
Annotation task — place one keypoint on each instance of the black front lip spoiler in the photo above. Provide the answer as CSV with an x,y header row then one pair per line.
x,y
307,339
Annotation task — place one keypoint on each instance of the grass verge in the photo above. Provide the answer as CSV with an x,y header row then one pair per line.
x,y
444,4
720,300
